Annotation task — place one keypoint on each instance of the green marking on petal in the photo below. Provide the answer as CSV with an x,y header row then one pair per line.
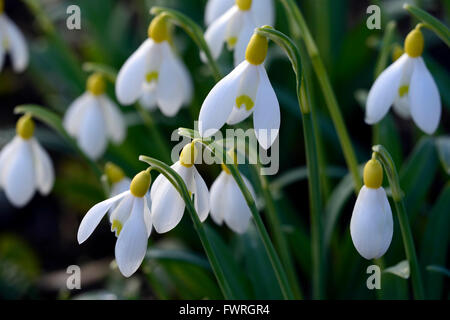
x,y
246,100
403,90
151,76
231,42
116,226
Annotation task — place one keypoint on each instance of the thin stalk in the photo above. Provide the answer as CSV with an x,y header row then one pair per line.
x,y
294,13
385,158
179,184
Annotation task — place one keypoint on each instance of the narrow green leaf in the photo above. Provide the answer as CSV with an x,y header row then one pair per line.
x,y
178,255
439,269
443,148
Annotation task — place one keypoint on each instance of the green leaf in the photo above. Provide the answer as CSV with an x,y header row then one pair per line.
x,y
401,269
430,22
439,269
109,72
178,255
443,148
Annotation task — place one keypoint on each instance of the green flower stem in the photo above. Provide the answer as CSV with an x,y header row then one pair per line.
x,y
179,184
385,158
430,22
315,198
277,232
295,15
194,32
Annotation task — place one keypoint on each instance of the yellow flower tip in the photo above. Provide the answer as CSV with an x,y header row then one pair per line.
x,y
373,174
244,5
140,184
414,43
188,155
233,155
403,90
397,52
96,84
2,6
116,226
158,29
151,76
25,126
113,172
245,100
257,49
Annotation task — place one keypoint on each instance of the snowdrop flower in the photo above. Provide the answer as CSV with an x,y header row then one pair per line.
x,y
154,75
13,42
25,166
409,86
245,90
167,204
93,118
228,203
371,225
215,8
116,176
235,26
130,220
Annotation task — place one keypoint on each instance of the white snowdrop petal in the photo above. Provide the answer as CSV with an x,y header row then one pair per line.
x,y
401,107
92,132
17,46
219,103
19,174
132,74
168,93
218,198
424,98
7,152
147,215
266,117
237,213
115,122
371,225
201,199
216,33
384,91
45,174
122,210
94,216
131,244
74,114
121,186
186,81
148,96
245,34
263,12
216,8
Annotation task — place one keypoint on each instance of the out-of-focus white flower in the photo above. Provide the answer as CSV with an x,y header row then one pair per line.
x,y
154,75
228,203
215,8
245,90
116,176
25,166
93,118
13,42
130,220
167,204
408,85
236,25
371,225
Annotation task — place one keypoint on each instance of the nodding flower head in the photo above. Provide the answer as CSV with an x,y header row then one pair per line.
x,y
244,5
25,126
113,172
188,155
158,29
414,43
373,174
140,184
256,50
96,84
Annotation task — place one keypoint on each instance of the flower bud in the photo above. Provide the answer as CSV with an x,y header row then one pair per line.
x,y
256,49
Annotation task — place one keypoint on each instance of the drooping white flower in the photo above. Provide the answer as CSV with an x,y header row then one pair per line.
x,y
236,25
371,225
93,119
215,8
25,166
244,91
116,176
167,204
228,203
130,220
13,42
408,85
154,75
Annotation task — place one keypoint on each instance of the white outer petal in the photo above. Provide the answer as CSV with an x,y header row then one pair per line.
x,y
19,174
148,96
402,107
17,46
7,152
121,186
220,101
424,98
92,135
263,12
237,213
148,215
95,215
115,123
384,91
45,174
266,117
131,244
244,37
121,210
217,197
132,74
216,32
75,112
216,8
201,196
371,225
